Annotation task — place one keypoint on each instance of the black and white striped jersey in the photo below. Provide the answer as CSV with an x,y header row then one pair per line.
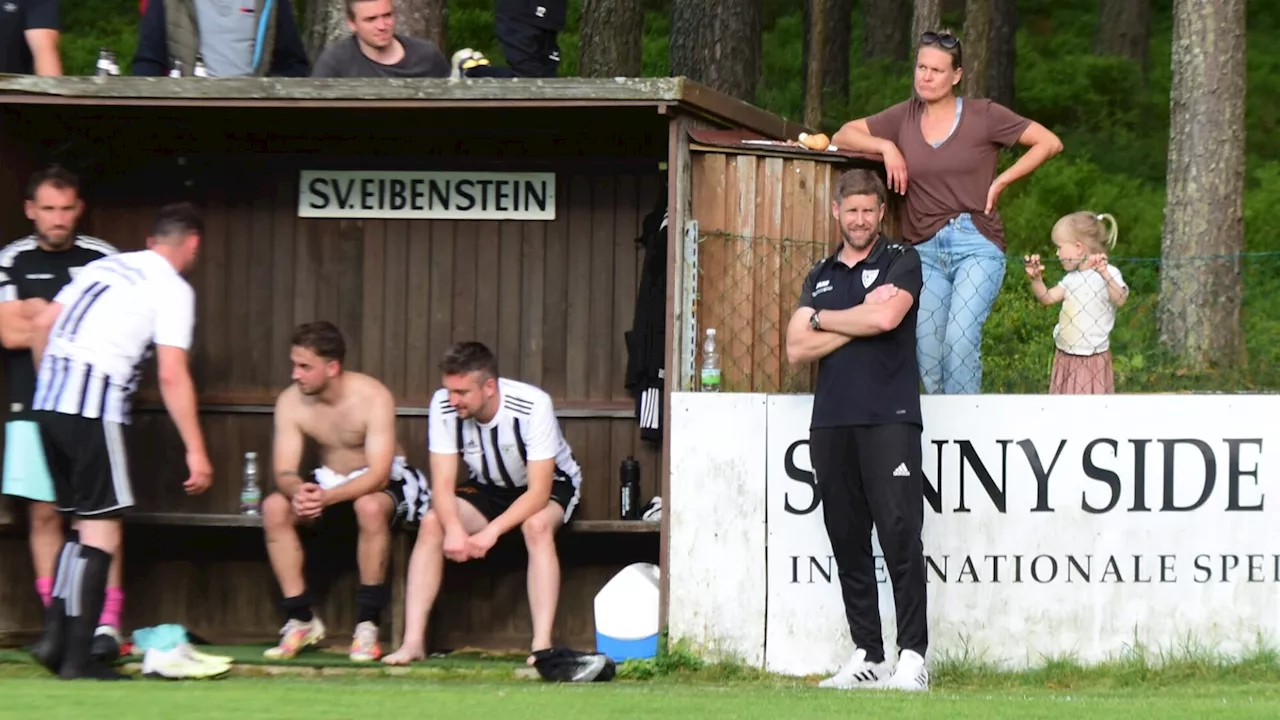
x,y
29,271
497,453
112,313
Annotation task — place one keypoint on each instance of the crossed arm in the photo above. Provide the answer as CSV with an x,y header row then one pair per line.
x,y
41,326
17,322
882,311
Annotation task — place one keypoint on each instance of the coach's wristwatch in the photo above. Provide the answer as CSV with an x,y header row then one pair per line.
x,y
813,321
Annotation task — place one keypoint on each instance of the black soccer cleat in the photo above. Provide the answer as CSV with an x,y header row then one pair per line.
x,y
105,647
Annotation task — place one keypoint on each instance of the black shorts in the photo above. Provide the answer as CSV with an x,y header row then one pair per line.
x,y
88,463
493,501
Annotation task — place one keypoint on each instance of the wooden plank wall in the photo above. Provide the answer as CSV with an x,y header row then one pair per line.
x,y
763,221
552,299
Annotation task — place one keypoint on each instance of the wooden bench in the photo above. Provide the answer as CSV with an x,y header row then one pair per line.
x,y
196,561
189,559
228,520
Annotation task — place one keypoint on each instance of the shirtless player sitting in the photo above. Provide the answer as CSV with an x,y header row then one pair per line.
x,y
352,418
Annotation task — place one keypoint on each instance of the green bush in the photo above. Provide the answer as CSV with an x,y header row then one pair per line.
x,y
1114,124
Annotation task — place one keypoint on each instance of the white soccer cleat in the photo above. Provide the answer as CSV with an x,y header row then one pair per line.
x,y
911,674
857,674
294,636
464,60
364,643
180,663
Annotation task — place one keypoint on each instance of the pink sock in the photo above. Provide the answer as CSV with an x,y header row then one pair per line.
x,y
44,586
112,608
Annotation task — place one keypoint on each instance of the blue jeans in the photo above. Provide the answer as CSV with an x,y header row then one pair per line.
x,y
963,272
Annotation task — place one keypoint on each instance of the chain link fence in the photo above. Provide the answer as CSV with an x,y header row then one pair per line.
x,y
1125,325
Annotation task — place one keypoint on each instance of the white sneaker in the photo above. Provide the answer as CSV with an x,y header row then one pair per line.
x,y
857,673
911,675
294,636
180,663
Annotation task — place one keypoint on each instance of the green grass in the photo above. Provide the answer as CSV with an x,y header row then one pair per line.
x,y
315,699
1185,684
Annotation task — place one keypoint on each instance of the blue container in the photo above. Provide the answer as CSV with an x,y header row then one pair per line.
x,y
618,649
626,614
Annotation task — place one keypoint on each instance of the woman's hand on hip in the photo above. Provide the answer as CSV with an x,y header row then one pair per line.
x,y
993,195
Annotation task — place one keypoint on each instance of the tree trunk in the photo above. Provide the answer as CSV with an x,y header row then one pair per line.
x,y
977,37
816,25
835,65
1200,282
326,21
1002,51
926,16
609,40
1123,27
718,44
886,25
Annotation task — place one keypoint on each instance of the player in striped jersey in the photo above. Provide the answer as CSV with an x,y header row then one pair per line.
x,y
89,344
32,271
522,474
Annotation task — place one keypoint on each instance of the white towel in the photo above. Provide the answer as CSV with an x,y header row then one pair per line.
x,y
329,479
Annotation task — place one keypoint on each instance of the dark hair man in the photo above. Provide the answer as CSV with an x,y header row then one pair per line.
x,y
522,474
88,344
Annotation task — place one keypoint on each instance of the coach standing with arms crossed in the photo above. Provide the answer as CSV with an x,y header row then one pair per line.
x,y
857,318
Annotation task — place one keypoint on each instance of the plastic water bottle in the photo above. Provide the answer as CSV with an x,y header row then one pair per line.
x,y
250,492
104,62
710,363
200,70
629,476
176,70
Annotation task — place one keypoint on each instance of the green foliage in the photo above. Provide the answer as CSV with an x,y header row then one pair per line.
x,y
678,661
1113,121
93,24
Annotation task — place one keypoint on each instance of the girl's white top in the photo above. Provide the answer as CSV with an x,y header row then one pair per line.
x,y
1087,315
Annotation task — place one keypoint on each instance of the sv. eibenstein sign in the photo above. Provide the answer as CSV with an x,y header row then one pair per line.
x,y
409,195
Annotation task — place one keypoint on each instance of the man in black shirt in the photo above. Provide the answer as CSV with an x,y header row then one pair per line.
x,y
32,271
29,33
857,318
527,30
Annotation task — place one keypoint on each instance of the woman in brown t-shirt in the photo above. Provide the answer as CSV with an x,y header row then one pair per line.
x,y
951,146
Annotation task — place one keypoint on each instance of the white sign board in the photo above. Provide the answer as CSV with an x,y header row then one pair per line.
x,y
406,195
715,562
1055,526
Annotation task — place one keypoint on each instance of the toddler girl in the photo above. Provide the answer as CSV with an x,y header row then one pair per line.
x,y
1090,292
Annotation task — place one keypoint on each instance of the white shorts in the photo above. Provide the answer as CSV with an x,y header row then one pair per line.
x,y
406,485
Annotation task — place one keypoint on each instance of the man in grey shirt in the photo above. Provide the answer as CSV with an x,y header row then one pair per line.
x,y
234,38
374,49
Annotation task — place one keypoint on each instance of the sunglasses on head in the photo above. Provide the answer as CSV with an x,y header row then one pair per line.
x,y
945,40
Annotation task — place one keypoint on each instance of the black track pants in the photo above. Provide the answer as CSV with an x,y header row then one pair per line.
x,y
865,475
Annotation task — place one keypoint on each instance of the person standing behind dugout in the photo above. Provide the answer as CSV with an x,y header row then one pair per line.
x,y
857,318
527,30
951,146
374,48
